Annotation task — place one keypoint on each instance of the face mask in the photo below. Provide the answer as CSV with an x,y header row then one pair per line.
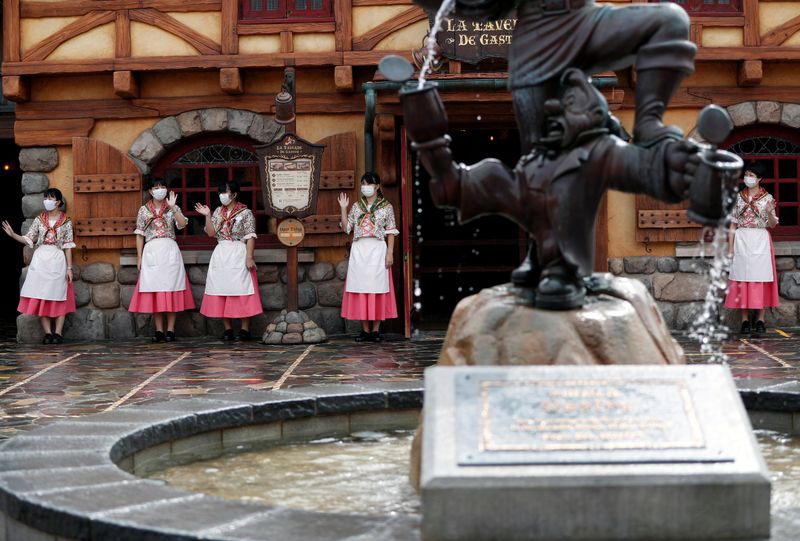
x,y
368,190
750,181
225,198
50,204
159,194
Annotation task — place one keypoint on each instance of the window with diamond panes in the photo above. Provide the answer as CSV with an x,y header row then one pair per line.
x,y
195,172
708,7
775,157
286,10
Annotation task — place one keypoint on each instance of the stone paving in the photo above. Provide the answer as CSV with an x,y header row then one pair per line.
x,y
41,384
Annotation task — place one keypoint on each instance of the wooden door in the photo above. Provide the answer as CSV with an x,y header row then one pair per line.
x,y
108,194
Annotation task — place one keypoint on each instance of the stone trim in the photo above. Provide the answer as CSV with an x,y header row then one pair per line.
x,y
151,145
71,479
760,112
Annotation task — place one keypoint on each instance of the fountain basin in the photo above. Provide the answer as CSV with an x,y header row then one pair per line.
x,y
73,479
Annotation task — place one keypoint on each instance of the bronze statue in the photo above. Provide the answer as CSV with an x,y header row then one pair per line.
x,y
554,191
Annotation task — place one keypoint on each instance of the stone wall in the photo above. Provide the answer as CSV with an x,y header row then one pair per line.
x,y
679,285
103,293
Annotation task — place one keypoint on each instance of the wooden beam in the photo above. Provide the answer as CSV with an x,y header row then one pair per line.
x,y
343,15
201,43
343,78
44,48
369,40
16,89
696,33
230,81
230,22
122,36
126,84
362,3
752,33
11,50
454,66
73,8
724,95
713,21
778,35
287,42
29,133
326,102
750,73
774,54
278,27
370,58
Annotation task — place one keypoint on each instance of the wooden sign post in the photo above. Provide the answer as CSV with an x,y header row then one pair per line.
x,y
290,172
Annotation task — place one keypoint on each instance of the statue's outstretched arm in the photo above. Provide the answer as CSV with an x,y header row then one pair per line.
x,y
487,187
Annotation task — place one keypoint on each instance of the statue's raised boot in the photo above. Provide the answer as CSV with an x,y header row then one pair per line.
x,y
660,68
528,273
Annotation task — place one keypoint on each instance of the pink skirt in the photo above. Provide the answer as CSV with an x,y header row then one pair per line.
x,y
153,302
754,295
43,308
233,306
370,306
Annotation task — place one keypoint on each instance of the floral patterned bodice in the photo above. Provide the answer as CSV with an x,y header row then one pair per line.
x,y
59,234
753,212
376,220
156,223
238,224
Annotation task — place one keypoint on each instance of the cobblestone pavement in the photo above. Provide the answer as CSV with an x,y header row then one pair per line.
x,y
40,384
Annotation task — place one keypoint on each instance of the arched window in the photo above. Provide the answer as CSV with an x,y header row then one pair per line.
x,y
196,168
773,152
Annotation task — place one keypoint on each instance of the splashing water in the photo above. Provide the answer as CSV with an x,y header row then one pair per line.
x,y
430,42
708,329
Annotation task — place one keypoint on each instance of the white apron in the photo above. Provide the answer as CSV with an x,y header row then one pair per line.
x,y
47,275
752,260
228,275
366,270
162,267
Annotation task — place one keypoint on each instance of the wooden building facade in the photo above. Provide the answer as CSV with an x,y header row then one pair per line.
x,y
109,91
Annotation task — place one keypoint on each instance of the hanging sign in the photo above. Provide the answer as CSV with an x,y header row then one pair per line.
x,y
290,172
473,41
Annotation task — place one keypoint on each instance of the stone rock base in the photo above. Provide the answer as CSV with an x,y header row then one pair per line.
x,y
623,325
294,328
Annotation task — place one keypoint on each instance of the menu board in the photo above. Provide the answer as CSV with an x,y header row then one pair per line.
x,y
290,172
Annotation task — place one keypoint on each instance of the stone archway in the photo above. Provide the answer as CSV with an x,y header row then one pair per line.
x,y
747,113
153,143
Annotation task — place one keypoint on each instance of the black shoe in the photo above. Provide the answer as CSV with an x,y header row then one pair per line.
x,y
556,292
228,335
527,274
244,335
364,336
375,336
58,339
745,327
48,339
760,327
159,337
170,336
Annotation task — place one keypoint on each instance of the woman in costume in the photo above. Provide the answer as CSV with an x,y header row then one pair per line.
x,y
48,291
163,287
369,292
753,280
231,284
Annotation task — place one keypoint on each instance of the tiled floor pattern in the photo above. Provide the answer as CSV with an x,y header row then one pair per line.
x,y
39,384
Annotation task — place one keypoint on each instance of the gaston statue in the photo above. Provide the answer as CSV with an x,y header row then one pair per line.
x,y
554,192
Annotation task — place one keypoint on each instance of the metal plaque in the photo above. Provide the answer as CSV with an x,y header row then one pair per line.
x,y
290,172
473,41
578,420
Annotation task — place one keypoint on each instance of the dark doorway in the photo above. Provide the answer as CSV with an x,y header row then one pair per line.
x,y
452,261
11,210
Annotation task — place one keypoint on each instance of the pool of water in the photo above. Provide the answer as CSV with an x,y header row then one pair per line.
x,y
368,474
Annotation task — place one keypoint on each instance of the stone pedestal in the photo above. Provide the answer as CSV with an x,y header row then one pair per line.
x,y
589,453
294,328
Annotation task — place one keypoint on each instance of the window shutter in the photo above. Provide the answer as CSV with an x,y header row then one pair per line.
x,y
660,222
108,194
338,175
